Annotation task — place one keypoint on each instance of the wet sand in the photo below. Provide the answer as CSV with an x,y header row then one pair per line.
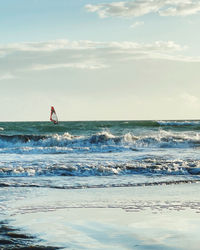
x,y
149,217
13,238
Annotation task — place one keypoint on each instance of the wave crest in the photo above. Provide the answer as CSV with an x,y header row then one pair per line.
x,y
99,142
179,123
146,166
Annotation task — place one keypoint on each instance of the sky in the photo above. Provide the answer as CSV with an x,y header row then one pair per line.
x,y
99,60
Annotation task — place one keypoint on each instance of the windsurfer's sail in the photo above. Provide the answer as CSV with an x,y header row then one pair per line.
x,y
53,116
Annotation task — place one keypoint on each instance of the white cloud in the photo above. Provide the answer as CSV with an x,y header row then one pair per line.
x,y
184,8
65,45
60,44
124,9
6,76
83,65
79,55
136,24
141,7
160,46
190,100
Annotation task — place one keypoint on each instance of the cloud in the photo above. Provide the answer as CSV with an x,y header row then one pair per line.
x,y
6,76
69,46
141,7
190,100
59,44
160,46
136,24
184,8
83,55
83,65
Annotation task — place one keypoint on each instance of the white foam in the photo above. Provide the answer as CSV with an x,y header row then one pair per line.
x,y
100,142
179,123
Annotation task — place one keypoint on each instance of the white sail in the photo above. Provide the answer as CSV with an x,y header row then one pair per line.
x,y
53,116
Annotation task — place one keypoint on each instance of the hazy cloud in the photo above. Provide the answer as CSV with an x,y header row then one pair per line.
x,y
60,44
183,8
190,100
82,55
136,24
6,76
83,65
141,7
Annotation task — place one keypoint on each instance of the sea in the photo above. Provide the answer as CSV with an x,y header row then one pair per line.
x,y
96,155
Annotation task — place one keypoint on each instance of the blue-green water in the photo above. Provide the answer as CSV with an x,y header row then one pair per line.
x,y
99,148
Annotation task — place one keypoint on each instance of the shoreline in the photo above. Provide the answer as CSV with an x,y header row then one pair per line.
x,y
151,217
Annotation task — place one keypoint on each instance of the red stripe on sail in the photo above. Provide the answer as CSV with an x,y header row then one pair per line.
x,y
53,112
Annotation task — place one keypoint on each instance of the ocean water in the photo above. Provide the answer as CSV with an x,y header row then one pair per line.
x,y
98,153
42,165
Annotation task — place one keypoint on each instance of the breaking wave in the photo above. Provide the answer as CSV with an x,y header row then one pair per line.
x,y
99,142
179,123
148,166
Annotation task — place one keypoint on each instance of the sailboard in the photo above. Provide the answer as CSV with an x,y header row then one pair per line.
x,y
53,116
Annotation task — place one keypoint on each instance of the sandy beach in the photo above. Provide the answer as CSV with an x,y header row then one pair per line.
x,y
153,217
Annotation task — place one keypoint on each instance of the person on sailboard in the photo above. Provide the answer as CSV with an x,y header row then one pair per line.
x,y
53,116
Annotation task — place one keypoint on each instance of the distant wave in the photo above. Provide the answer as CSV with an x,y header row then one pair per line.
x,y
92,127
179,123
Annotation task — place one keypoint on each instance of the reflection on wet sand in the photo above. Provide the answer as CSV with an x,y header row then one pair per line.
x,y
12,238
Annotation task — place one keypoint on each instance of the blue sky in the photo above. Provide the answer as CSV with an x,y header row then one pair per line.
x,y
100,60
